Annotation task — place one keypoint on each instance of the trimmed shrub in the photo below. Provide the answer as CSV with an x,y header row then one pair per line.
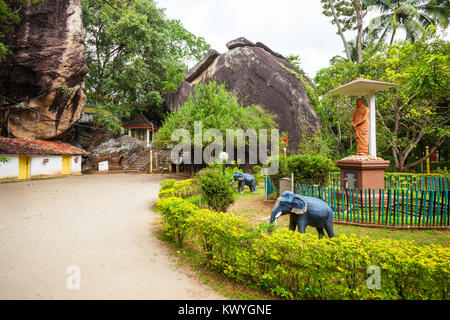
x,y
301,266
167,184
174,214
216,188
307,168
173,188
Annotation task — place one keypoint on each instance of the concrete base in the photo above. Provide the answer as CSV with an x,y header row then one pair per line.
x,y
363,172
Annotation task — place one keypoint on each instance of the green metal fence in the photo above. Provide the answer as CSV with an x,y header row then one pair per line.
x,y
408,208
388,207
405,181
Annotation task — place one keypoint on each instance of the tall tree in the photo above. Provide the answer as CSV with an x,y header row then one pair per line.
x,y
413,16
135,54
407,115
347,15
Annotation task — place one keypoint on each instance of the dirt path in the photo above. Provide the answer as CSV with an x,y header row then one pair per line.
x,y
102,224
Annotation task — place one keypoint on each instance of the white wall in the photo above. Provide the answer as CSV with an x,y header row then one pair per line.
x,y
11,168
75,168
52,168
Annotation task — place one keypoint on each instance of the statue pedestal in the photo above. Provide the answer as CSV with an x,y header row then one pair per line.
x,y
285,185
362,172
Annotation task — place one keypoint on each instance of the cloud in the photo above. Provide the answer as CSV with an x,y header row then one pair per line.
x,y
290,27
286,26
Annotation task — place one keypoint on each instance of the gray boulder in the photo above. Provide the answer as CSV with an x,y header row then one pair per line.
x,y
201,66
239,42
257,75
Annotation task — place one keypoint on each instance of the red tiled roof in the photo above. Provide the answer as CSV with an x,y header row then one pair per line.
x,y
33,146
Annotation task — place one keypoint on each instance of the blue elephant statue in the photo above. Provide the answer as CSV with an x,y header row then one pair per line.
x,y
304,211
245,179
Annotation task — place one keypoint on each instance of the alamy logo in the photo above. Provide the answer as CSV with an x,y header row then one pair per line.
x,y
374,280
236,144
74,280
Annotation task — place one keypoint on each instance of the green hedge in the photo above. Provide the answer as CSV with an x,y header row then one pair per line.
x,y
301,266
173,188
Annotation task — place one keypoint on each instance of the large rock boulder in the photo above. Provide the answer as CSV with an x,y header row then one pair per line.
x,y
257,75
42,79
116,151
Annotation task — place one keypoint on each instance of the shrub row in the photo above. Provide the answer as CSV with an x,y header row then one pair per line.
x,y
173,188
301,266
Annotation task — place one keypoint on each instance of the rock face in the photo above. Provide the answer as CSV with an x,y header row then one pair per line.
x,y
42,79
254,73
115,151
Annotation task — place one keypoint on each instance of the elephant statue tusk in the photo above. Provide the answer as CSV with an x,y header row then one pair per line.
x,y
266,218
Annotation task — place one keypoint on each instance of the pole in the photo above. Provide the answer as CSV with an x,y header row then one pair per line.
x,y
373,128
427,152
151,161
292,182
265,184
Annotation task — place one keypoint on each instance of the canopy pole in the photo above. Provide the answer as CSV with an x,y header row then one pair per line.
x,y
373,128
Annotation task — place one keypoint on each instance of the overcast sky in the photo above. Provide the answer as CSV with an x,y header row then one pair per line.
x,y
290,27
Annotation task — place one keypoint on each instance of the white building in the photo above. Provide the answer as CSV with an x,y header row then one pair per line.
x,y
29,158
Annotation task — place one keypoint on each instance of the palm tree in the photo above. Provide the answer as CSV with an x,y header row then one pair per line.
x,y
413,16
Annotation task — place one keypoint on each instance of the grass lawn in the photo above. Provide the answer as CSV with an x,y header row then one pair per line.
x,y
252,206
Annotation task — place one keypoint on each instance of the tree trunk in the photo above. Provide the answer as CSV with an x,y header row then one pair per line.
x,y
392,38
433,150
341,33
360,38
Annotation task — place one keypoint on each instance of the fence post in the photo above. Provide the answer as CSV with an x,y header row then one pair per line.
x,y
357,204
389,205
374,206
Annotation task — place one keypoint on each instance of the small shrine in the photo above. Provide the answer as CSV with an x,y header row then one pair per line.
x,y
141,128
364,169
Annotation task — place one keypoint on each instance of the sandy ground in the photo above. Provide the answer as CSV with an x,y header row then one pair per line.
x,y
101,224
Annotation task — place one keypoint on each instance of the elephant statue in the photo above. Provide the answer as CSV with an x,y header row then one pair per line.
x,y
245,179
304,211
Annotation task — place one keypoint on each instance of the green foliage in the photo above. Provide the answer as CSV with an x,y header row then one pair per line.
x,y
216,188
4,159
296,62
174,214
134,54
217,109
301,266
412,16
307,168
259,177
173,188
412,112
167,183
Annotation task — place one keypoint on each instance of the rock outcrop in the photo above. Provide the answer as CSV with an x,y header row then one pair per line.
x,y
116,151
257,75
42,79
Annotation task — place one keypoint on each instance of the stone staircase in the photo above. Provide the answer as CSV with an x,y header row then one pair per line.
x,y
138,163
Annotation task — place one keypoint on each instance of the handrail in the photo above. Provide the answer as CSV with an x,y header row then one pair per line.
x,y
131,160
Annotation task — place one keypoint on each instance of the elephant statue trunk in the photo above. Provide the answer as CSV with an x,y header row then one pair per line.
x,y
304,211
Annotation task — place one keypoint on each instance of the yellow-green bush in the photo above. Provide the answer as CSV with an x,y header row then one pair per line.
x,y
301,266
173,188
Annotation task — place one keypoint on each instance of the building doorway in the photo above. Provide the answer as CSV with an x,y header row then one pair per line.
x,y
66,164
24,167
